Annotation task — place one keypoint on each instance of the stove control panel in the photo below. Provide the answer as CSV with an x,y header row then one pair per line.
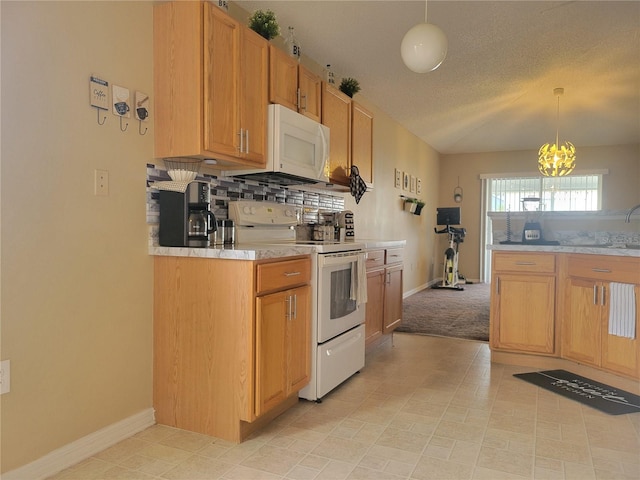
x,y
251,213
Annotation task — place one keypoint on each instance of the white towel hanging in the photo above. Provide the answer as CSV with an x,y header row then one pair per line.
x,y
622,310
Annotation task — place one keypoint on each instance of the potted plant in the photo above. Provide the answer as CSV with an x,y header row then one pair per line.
x,y
419,206
349,86
264,23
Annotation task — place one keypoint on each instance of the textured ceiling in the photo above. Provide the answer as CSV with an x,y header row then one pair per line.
x,y
494,90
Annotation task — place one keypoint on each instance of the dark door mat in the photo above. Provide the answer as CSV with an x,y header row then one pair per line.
x,y
588,392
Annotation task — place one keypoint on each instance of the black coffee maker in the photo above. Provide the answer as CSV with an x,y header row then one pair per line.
x,y
185,218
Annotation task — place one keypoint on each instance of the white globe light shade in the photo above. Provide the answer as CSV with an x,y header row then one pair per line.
x,y
423,48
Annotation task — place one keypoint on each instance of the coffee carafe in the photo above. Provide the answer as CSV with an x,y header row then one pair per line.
x,y
185,218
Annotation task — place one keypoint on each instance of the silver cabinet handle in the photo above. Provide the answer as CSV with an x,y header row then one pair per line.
x,y
291,274
602,294
525,263
241,135
288,314
601,270
595,294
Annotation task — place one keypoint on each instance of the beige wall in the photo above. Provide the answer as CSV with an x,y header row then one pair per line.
x,y
76,306
76,278
620,187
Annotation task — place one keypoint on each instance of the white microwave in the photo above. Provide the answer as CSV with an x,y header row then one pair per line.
x,y
297,150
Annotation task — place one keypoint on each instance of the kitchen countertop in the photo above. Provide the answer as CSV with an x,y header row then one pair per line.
x,y
588,249
246,251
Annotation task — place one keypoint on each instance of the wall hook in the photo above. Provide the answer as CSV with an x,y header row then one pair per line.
x,y
125,127
140,128
104,120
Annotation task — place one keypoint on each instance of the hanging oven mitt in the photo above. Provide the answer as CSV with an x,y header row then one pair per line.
x,y
356,184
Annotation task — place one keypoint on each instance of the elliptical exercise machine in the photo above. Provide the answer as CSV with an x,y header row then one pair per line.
x,y
451,277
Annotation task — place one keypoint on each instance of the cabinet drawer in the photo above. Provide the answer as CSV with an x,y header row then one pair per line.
x,y
394,255
375,258
282,275
605,267
524,262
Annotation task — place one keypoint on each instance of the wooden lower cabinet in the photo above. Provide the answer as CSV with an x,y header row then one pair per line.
x,y
374,313
585,335
282,346
229,356
392,298
523,302
384,293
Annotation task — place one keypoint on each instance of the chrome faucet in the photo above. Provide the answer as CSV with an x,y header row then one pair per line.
x,y
628,219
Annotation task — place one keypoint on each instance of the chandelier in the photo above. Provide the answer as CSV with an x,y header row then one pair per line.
x,y
423,47
555,160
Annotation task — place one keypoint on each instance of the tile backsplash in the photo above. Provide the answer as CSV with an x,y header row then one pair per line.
x,y
224,189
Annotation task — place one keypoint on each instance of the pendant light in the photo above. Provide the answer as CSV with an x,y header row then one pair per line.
x,y
457,193
423,47
557,160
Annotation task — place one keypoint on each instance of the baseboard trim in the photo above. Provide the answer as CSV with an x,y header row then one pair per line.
x,y
83,448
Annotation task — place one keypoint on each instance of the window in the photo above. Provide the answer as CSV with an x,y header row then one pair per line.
x,y
556,194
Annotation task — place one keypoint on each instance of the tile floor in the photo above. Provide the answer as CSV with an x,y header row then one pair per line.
x,y
425,408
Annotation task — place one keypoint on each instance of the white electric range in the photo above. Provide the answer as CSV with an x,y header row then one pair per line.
x,y
338,286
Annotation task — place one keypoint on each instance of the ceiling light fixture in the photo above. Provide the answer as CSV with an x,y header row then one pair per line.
x,y
557,160
424,46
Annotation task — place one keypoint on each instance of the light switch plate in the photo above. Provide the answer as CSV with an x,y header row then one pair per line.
x,y
398,183
99,92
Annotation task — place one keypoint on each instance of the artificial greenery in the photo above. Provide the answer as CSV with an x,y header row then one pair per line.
x,y
264,23
349,86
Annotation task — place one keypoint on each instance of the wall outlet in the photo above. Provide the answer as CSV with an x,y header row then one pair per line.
x,y
5,376
101,182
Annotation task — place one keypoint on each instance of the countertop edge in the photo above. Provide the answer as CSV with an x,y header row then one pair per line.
x,y
620,252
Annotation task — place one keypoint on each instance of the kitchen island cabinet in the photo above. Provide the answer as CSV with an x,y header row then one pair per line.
x,y
210,85
231,342
537,324
585,337
522,317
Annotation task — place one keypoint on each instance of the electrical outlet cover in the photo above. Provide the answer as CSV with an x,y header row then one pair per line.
x,y
99,92
142,106
120,98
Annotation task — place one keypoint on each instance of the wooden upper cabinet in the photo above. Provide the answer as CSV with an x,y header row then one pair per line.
x,y
283,78
336,114
310,87
362,142
210,85
293,85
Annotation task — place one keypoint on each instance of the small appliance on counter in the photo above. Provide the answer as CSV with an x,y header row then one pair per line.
x,y
532,231
185,218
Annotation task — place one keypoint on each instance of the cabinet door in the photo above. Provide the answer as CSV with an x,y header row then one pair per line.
x,y
271,350
221,70
582,323
299,340
283,78
362,142
522,309
374,310
392,298
620,354
253,101
310,86
336,114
